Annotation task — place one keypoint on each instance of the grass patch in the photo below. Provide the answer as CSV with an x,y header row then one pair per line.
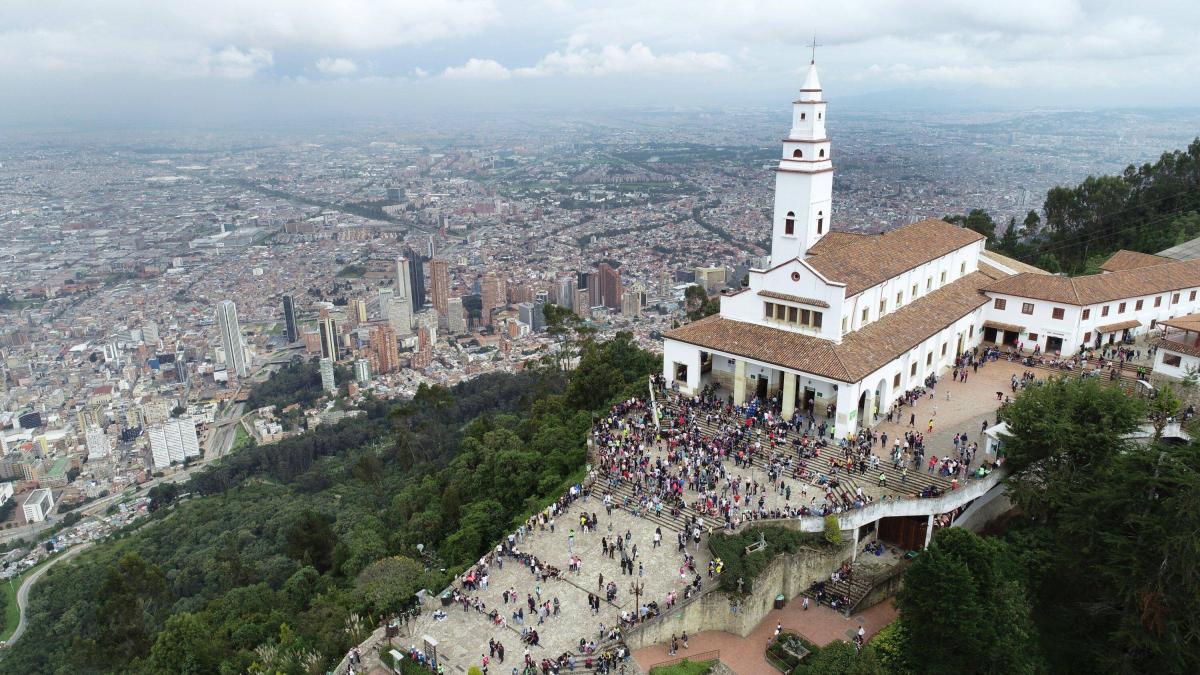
x,y
685,667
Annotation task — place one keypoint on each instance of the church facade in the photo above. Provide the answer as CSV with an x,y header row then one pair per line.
x,y
853,321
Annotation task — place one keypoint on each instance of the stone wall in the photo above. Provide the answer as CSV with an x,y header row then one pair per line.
x,y
788,574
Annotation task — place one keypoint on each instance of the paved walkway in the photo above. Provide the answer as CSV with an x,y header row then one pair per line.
x,y
747,656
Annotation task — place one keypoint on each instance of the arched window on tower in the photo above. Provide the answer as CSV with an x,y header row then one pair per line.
x,y
820,221
822,153
797,153
803,115
789,223
818,115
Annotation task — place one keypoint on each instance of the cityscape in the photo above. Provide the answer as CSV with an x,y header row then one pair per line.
x,y
174,303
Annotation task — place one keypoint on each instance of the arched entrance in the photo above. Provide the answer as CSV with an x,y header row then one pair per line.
x,y
881,400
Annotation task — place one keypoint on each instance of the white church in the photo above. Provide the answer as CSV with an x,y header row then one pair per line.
x,y
854,320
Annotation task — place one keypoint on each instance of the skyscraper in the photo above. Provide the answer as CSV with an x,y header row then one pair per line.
x,y
328,383
416,275
231,338
357,312
610,286
566,292
330,340
403,279
362,371
439,273
289,319
456,317
631,303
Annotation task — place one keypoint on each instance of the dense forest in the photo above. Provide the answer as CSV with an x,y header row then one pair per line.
x,y
1147,208
1097,573
277,559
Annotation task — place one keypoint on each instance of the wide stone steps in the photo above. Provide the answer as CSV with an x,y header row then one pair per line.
x,y
624,490
847,484
917,480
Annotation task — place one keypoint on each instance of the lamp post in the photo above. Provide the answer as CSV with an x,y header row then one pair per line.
x,y
636,588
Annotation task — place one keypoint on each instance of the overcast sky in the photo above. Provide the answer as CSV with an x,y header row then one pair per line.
x,y
204,62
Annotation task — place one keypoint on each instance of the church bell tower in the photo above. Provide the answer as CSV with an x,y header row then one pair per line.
x,y
804,177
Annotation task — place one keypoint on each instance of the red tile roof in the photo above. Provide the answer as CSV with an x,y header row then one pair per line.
x,y
860,353
1130,260
863,261
1097,288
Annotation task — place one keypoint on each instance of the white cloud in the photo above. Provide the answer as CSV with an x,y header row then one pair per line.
x,y
235,63
336,67
478,69
188,38
579,60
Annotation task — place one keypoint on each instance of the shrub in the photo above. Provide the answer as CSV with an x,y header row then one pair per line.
x,y
833,531
731,549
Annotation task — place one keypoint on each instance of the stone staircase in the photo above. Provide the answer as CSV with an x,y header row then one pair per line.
x,y
917,479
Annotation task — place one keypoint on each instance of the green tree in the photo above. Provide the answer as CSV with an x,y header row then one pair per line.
x,y
699,304
842,658
1058,431
388,584
185,645
310,540
977,220
130,600
963,580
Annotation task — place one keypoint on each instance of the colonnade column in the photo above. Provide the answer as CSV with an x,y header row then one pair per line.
x,y
789,395
739,382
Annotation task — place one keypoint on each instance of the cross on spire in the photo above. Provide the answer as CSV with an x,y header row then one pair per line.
x,y
814,46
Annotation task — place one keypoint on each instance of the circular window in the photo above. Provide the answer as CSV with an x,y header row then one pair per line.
x,y
795,276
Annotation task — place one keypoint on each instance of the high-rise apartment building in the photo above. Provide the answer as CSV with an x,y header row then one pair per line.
x,y
493,294
173,441
439,284
383,348
291,330
231,338
423,357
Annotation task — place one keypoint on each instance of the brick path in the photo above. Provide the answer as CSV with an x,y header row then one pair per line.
x,y
746,656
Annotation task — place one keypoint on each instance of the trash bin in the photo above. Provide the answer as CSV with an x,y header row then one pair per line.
x,y
780,601
446,599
